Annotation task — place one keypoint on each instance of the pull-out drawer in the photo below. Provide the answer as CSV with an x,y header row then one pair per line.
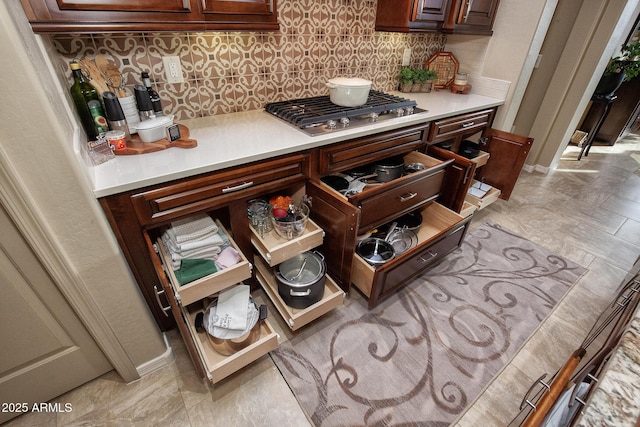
x,y
481,201
186,301
465,124
218,366
297,318
217,189
441,232
275,249
383,202
208,285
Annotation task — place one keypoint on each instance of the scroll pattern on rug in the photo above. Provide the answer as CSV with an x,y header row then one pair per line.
x,y
423,355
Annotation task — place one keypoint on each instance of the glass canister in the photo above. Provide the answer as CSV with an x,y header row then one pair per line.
x,y
461,78
259,212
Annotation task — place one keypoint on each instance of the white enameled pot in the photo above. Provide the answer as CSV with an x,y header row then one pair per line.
x,y
349,91
154,129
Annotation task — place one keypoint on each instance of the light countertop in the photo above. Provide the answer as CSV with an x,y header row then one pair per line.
x,y
238,138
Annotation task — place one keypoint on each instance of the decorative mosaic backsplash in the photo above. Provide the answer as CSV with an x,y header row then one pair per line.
x,y
227,72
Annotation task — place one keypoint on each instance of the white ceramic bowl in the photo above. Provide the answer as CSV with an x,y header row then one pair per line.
x,y
154,129
349,91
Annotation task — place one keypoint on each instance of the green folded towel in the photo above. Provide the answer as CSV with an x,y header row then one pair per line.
x,y
193,268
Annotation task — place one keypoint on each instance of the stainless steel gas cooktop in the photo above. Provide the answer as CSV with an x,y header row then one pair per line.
x,y
318,115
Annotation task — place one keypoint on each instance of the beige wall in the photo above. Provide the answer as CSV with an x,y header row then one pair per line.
x,y
36,143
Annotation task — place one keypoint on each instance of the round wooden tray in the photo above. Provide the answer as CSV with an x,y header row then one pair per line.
x,y
446,66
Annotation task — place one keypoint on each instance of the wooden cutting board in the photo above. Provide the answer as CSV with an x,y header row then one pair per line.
x,y
136,146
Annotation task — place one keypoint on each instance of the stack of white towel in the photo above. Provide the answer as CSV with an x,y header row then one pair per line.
x,y
195,237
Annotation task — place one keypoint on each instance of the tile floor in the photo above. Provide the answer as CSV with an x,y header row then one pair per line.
x,y
587,211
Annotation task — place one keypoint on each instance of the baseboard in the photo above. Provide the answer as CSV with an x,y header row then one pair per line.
x,y
161,361
536,168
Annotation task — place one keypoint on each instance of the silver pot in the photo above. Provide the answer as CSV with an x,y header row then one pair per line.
x,y
348,92
389,169
301,279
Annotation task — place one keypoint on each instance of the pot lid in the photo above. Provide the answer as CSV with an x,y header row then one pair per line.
x,y
350,81
155,122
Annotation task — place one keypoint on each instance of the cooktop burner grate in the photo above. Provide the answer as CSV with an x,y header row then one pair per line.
x,y
318,114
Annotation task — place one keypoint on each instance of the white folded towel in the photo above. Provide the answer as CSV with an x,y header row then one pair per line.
x,y
211,239
231,311
193,228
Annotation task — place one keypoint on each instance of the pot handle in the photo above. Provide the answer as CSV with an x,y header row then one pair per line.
x,y
320,255
300,294
331,85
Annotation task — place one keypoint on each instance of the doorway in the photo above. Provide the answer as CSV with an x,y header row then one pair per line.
x,y
581,38
46,351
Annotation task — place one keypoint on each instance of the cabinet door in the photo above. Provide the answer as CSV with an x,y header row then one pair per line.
x,y
241,14
259,7
412,15
472,17
95,16
457,179
431,10
339,220
507,154
120,5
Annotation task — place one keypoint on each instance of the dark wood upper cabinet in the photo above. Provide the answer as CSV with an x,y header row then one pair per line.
x,y
91,16
443,16
472,17
412,15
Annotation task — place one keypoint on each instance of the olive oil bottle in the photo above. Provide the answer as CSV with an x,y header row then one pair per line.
x,y
82,93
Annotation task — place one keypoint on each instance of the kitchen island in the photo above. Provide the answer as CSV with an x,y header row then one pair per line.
x,y
235,139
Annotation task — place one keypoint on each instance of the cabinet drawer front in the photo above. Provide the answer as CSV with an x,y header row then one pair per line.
x,y
369,149
395,277
194,195
402,198
466,124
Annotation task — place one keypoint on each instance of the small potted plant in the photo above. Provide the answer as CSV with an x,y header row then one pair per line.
x,y
620,68
427,79
420,79
406,79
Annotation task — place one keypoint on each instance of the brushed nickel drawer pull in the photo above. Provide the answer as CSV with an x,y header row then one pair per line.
x,y
237,187
186,5
408,197
165,310
468,124
431,254
526,400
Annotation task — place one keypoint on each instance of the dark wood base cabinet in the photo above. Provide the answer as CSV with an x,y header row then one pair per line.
x,y
438,192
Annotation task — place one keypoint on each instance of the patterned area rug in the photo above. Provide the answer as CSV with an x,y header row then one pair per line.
x,y
422,356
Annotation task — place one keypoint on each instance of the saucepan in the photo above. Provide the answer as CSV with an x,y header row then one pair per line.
x,y
389,169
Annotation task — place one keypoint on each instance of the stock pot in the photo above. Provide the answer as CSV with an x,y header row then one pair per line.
x,y
301,279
